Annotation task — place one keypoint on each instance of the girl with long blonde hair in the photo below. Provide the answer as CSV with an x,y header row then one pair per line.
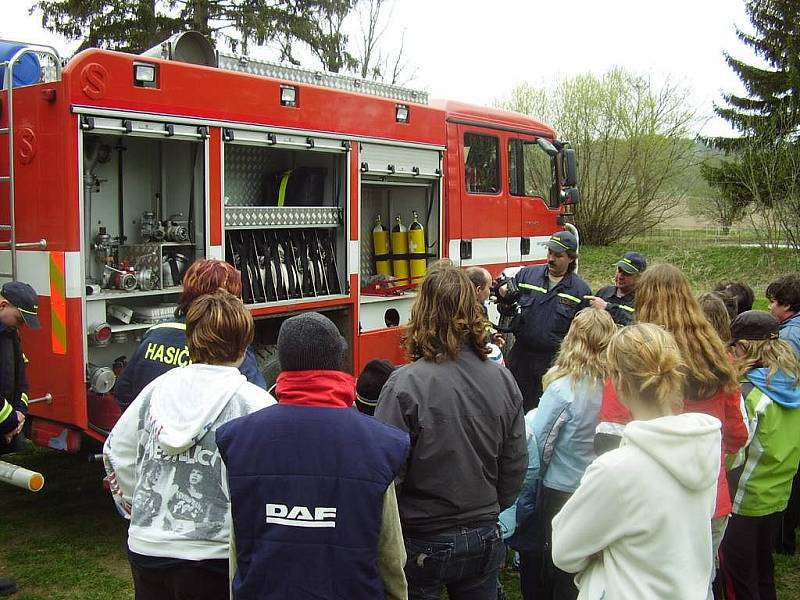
x,y
771,388
664,297
563,432
638,525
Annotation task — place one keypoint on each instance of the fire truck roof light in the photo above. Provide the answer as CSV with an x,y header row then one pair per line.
x,y
288,95
401,113
145,75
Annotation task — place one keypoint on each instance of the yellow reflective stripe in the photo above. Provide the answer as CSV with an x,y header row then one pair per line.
x,y
363,400
24,398
169,326
282,191
558,241
528,286
628,308
628,262
25,359
6,411
568,297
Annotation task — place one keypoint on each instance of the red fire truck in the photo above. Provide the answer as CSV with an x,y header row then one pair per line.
x,y
119,170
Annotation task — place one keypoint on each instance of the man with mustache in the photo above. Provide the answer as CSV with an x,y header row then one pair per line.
x,y
549,297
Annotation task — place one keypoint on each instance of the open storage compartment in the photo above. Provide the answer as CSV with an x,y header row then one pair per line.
x,y
284,215
144,222
400,229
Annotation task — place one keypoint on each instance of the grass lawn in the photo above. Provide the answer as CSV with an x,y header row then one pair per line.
x,y
67,542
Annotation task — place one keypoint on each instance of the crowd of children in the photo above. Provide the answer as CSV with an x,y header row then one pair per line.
x,y
658,463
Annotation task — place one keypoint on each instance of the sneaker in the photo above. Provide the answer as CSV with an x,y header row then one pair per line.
x,y
7,586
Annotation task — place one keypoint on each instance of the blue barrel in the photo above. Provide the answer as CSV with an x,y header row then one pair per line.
x,y
27,71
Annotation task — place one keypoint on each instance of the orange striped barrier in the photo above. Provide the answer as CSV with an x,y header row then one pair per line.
x,y
58,304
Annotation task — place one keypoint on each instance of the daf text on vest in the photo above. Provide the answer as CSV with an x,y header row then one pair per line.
x,y
301,516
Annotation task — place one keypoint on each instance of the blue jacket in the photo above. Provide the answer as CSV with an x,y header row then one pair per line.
x,y
559,451
164,347
790,331
564,428
547,312
307,486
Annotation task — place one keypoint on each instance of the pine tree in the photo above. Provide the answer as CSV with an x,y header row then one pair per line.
x,y
771,105
136,25
760,171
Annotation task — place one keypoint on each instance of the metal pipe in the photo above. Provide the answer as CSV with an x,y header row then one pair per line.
x,y
48,398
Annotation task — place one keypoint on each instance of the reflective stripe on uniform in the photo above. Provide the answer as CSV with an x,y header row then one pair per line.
x,y
630,309
6,411
366,402
528,286
568,297
24,398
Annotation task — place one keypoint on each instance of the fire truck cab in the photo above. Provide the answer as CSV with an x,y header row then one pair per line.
x,y
120,170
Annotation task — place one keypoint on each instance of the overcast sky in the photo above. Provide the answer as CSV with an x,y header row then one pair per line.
x,y
477,50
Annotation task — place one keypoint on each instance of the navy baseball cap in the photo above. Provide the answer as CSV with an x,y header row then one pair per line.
x,y
632,263
23,297
561,241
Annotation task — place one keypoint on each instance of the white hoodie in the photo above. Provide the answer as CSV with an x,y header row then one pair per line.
x,y
163,465
639,525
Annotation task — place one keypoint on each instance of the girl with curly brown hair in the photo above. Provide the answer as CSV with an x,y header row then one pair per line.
x,y
468,449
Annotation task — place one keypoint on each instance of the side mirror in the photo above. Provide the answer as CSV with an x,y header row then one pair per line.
x,y
570,197
570,165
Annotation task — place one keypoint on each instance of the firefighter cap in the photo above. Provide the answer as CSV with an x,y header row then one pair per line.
x,y
562,241
24,298
632,263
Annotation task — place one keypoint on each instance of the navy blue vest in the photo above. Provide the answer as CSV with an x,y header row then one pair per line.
x,y
307,487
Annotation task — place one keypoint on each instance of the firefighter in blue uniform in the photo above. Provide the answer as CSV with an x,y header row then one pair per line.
x,y
18,307
164,347
619,299
549,296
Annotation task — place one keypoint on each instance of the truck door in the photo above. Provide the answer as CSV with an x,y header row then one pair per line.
x,y
484,199
533,196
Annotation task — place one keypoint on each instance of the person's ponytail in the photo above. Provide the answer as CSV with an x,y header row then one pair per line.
x,y
647,365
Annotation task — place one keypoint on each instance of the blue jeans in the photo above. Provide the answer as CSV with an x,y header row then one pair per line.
x,y
463,560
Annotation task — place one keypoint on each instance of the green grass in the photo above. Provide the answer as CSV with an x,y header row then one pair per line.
x,y
705,263
67,542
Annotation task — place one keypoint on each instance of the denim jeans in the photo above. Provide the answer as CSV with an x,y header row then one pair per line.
x,y
463,560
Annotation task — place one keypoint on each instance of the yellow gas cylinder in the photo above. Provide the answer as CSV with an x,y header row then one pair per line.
x,y
381,248
416,249
400,250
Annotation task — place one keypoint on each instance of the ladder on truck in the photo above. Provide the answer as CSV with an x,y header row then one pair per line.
x,y
8,131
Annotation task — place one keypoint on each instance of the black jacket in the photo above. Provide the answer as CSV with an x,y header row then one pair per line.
x,y
621,308
468,449
13,379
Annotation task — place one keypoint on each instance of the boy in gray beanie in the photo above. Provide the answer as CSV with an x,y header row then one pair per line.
x,y
311,342
313,452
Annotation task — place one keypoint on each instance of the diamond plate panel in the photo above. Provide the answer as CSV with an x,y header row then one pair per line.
x,y
257,217
245,168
